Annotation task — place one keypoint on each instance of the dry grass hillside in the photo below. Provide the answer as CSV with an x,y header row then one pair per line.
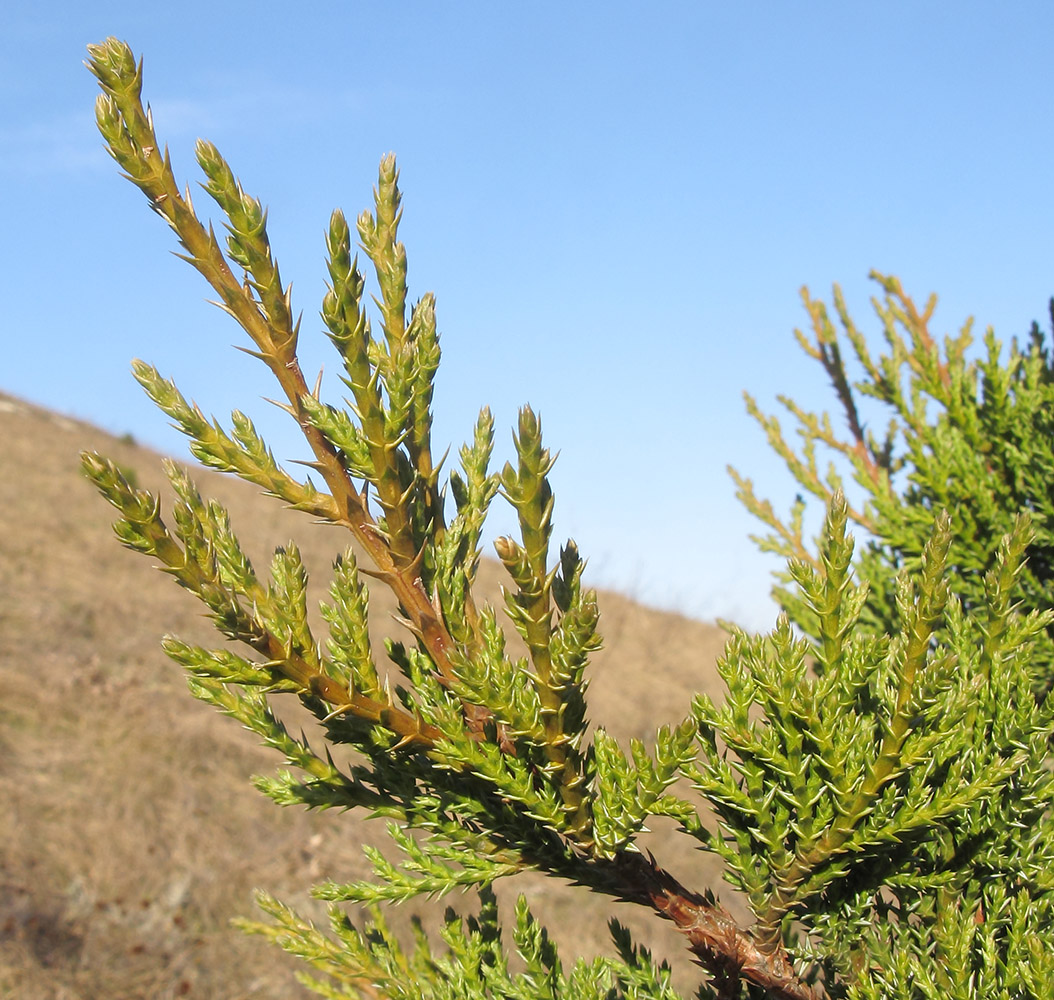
x,y
129,834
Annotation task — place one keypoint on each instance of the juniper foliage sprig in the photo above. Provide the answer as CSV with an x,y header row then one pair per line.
x,y
473,965
888,776
967,431
873,794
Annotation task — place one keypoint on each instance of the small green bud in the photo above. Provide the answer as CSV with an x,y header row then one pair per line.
x,y
114,65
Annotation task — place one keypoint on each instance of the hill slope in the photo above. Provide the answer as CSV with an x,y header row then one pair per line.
x,y
129,834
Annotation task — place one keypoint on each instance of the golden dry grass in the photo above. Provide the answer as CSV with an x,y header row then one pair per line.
x,y
129,834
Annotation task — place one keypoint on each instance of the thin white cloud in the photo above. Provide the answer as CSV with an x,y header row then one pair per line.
x,y
66,143
245,108
178,117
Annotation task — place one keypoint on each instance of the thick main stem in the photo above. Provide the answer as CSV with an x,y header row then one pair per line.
x,y
726,950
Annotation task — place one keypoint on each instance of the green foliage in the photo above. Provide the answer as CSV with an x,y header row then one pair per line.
x,y
879,795
473,965
971,435
888,781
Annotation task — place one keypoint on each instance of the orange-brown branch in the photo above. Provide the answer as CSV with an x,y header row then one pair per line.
x,y
727,951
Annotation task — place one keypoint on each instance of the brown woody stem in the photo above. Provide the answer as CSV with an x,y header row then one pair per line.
x,y
722,947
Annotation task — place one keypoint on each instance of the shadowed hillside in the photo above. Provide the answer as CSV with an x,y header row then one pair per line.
x,y
129,834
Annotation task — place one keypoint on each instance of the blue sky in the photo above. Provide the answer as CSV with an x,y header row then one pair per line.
x,y
616,205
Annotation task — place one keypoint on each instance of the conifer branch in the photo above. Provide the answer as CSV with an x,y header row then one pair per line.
x,y
141,528
719,944
133,144
879,778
